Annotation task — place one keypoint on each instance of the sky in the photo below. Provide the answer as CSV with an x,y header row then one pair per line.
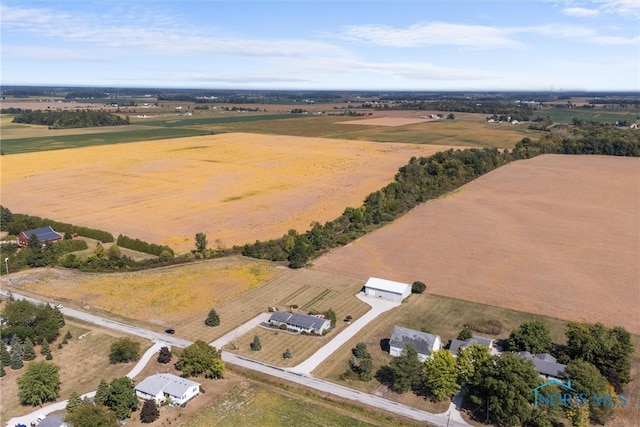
x,y
419,45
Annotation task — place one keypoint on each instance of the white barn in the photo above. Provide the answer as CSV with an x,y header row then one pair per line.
x,y
387,289
160,386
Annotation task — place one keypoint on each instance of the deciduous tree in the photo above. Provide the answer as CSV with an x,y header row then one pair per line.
x,y
90,415
201,359
418,287
586,378
465,334
124,350
440,375
122,398
533,337
504,388
201,243
40,383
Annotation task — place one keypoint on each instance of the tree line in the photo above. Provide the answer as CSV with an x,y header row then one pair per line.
x,y
68,119
426,178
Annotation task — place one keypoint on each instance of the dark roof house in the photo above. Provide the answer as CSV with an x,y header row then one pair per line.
x,y
300,322
545,364
424,343
456,345
44,235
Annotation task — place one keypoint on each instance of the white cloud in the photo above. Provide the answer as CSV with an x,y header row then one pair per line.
x,y
580,12
626,8
434,33
109,32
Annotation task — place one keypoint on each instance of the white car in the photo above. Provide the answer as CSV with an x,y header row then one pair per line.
x,y
59,306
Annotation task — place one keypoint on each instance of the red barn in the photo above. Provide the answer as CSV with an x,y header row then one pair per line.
x,y
44,234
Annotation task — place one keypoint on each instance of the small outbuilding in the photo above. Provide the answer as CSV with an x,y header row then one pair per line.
x,y
159,387
44,234
457,345
387,289
424,343
300,322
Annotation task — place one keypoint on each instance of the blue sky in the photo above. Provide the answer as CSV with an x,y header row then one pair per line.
x,y
333,44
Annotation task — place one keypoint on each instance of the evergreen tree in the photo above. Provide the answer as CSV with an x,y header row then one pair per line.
x,y
287,353
406,370
48,356
212,319
44,349
149,412
16,355
122,398
5,356
256,345
68,335
74,402
2,371
331,315
28,352
102,393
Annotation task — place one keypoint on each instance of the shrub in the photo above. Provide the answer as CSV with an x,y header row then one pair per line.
x,y
212,319
283,327
418,287
124,350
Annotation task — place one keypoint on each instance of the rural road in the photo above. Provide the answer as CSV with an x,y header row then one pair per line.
x,y
59,406
448,419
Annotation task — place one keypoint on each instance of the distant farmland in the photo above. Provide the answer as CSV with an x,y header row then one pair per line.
x,y
555,235
236,188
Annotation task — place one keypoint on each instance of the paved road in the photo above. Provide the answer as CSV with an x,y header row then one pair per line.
x,y
444,420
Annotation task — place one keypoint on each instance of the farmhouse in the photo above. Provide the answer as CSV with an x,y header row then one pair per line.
x,y
387,289
457,345
45,235
424,343
546,365
161,386
300,322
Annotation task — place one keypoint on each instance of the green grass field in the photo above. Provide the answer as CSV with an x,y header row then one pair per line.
x,y
598,115
60,142
251,404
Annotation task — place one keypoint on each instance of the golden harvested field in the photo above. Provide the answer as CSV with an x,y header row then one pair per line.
x,y
236,188
555,235
165,297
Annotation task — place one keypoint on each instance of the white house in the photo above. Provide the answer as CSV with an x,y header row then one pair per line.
x,y
387,289
424,343
161,386
300,322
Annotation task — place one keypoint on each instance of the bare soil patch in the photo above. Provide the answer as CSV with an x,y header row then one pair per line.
x,y
236,188
555,235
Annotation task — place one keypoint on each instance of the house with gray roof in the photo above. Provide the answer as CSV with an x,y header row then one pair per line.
x,y
457,345
161,386
546,365
424,343
300,322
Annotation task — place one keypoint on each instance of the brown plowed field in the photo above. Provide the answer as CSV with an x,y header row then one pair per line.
x,y
555,235
234,187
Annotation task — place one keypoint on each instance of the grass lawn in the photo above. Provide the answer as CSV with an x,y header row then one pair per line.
x,y
83,363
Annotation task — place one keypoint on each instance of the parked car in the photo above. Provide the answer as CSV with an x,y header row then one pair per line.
x,y
170,331
59,306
